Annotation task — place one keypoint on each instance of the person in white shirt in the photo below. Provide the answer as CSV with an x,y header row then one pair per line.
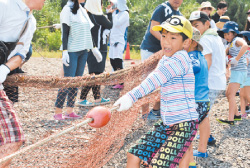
x,y
13,17
76,41
117,41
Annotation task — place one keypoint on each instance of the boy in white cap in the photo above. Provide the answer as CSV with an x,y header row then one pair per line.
x,y
214,52
167,144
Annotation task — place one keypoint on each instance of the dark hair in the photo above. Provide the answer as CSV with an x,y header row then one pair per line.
x,y
203,20
246,38
221,4
184,36
75,6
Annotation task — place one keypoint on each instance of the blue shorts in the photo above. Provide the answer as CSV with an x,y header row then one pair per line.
x,y
238,77
246,83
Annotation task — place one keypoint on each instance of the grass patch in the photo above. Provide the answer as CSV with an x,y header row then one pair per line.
x,y
134,54
47,54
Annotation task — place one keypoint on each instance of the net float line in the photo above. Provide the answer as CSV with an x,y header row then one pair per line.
x,y
86,80
90,121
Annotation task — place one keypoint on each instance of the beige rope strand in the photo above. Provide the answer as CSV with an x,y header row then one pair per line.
x,y
39,143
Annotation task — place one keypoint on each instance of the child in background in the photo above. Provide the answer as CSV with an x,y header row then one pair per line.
x,y
236,48
214,53
201,88
167,144
245,89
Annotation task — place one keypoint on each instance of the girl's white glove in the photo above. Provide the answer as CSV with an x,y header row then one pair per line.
x,y
97,54
65,58
4,71
124,103
57,26
233,61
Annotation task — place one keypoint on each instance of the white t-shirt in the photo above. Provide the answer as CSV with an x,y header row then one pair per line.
x,y
212,24
80,28
120,23
13,14
216,74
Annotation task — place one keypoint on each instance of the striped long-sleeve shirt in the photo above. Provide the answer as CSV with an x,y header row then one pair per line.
x,y
175,77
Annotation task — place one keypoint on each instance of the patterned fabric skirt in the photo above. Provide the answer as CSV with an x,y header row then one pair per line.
x,y
164,145
10,128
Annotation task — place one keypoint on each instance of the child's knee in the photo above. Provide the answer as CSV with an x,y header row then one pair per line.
x,y
133,158
230,94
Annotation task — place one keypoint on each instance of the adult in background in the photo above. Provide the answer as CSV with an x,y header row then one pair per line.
x,y
221,10
247,27
76,41
14,15
208,9
101,22
117,40
151,41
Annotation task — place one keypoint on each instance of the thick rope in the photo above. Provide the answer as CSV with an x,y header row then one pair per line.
x,y
86,80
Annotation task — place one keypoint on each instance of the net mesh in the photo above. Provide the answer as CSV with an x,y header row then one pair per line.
x,y
84,146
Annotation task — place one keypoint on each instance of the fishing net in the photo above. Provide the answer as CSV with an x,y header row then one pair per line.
x,y
85,146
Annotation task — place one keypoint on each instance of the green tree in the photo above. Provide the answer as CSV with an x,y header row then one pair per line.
x,y
49,15
141,12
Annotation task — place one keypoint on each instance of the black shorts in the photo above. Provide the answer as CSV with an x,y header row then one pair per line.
x,y
164,145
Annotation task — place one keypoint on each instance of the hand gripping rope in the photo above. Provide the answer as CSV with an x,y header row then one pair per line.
x,y
97,117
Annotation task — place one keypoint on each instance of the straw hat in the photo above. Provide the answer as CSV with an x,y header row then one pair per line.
x,y
206,4
222,21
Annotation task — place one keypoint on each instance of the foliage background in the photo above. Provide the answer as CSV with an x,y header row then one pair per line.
x,y
140,14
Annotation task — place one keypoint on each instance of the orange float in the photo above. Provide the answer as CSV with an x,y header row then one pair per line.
x,y
101,116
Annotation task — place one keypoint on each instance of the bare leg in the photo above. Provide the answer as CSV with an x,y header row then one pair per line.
x,y
8,149
58,111
157,106
191,156
69,110
184,163
230,93
145,109
246,95
133,161
204,135
242,100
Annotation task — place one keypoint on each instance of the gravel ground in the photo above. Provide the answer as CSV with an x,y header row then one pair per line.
x,y
232,149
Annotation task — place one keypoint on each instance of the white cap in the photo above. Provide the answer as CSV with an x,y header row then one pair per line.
x,y
121,5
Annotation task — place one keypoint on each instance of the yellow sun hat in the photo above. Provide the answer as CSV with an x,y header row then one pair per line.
x,y
176,24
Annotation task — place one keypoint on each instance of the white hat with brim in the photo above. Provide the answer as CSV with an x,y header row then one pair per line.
x,y
206,4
